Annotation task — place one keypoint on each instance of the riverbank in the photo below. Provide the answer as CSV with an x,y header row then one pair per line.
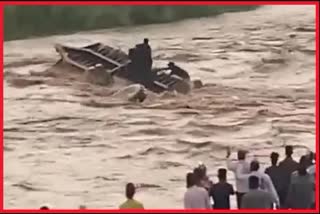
x,y
23,22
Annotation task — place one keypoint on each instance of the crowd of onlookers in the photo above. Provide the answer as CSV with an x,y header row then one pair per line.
x,y
285,185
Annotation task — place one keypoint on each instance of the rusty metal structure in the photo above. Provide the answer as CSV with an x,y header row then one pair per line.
x,y
116,62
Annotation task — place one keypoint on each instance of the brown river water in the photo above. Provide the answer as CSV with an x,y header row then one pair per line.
x,y
67,142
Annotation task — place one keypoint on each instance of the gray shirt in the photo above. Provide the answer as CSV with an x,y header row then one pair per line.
x,y
257,199
312,171
265,183
196,198
301,190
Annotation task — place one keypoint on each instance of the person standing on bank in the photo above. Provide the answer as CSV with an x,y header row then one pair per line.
x,y
256,198
196,196
241,185
221,191
286,167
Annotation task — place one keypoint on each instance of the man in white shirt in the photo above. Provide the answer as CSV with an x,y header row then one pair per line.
x,y
241,185
265,181
196,196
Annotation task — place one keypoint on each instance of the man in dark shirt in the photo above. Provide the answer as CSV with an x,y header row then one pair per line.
x,y
274,172
175,70
221,191
286,167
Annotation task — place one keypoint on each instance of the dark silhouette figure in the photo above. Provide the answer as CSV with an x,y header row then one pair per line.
x,y
131,54
274,172
175,70
142,63
148,54
140,58
286,167
221,191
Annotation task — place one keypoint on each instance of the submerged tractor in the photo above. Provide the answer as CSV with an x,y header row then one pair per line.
x,y
132,67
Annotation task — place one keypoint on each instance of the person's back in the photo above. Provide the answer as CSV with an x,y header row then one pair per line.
x,y
265,182
196,198
242,166
301,189
221,191
130,203
255,198
274,171
286,167
275,175
141,65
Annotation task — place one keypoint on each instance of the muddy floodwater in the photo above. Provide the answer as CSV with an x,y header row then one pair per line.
x,y
67,142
